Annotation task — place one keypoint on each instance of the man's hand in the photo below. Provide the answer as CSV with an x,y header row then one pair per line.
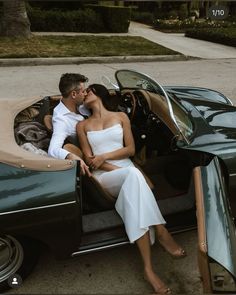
x,y
84,168
96,161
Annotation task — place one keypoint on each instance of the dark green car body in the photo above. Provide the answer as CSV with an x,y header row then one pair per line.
x,y
32,201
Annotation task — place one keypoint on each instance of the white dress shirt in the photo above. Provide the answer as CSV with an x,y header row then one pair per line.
x,y
64,124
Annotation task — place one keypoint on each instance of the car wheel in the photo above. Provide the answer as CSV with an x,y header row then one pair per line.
x,y
17,256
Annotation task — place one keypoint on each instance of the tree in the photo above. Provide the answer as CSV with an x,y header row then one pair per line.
x,y
203,10
232,8
15,22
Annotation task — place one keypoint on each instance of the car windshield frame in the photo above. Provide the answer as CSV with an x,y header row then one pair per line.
x,y
185,124
130,79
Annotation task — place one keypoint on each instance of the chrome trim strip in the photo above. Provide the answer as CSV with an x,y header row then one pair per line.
x,y
81,252
178,231
169,107
229,100
171,111
233,174
37,208
99,248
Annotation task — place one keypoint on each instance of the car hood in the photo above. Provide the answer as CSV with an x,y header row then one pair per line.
x,y
198,93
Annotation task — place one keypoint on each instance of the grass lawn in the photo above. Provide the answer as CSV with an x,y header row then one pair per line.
x,y
67,46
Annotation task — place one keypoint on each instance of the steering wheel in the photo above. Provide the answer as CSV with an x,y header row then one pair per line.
x,y
134,103
142,102
129,101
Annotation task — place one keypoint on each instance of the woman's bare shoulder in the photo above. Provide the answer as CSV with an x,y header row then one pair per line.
x,y
122,116
80,126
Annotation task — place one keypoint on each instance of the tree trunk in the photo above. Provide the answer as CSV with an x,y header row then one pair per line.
x,y
204,5
189,7
232,8
15,22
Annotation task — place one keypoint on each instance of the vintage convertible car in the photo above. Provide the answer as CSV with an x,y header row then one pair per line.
x,y
186,147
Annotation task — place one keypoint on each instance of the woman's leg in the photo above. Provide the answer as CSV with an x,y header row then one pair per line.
x,y
167,241
143,244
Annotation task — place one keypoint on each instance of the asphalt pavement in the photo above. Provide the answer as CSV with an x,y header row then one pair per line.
x,y
27,81
115,271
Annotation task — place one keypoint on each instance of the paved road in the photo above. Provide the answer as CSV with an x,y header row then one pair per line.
x,y
118,270
43,80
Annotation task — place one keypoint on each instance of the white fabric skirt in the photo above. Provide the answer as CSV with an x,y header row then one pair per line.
x,y
135,203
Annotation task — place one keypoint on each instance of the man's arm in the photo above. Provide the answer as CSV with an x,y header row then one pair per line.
x,y
55,148
58,137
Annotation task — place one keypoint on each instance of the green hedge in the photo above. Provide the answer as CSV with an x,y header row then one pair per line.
x,y
142,17
69,21
225,36
182,25
116,18
93,19
57,5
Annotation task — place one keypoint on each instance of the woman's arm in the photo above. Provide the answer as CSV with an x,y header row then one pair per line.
x,y
127,151
87,151
83,141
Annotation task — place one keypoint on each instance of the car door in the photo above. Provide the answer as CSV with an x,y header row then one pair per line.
x,y
216,230
41,205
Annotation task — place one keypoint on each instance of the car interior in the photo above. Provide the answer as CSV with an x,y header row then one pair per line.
x,y
167,170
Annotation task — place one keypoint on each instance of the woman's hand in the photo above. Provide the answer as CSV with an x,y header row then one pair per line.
x,y
96,161
84,168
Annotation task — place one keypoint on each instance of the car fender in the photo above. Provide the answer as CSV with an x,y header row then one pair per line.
x,y
41,205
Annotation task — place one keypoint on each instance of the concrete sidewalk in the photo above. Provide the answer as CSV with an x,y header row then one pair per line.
x,y
182,44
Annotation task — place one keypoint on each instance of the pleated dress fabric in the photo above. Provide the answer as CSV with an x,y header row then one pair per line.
x,y
135,203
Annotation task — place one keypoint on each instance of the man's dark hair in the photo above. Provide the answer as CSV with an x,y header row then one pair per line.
x,y
70,81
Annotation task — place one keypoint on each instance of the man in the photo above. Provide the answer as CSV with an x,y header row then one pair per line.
x,y
66,115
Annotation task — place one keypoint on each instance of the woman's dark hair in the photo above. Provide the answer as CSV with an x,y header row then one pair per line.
x,y
102,92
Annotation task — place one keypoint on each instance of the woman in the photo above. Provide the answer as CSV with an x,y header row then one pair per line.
x,y
107,143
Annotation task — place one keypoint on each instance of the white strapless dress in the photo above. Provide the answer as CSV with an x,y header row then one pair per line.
x,y
135,203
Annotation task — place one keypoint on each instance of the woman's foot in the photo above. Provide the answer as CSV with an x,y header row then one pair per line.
x,y
168,243
158,286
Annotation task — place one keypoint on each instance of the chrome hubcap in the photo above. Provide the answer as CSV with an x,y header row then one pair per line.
x,y
11,257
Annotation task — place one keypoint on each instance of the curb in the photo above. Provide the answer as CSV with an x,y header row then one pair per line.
x,y
8,62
